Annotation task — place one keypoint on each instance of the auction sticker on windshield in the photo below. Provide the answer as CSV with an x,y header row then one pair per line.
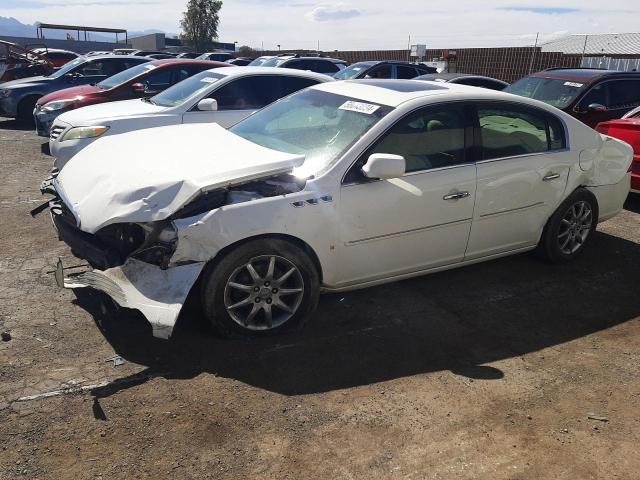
x,y
359,107
150,67
209,80
573,84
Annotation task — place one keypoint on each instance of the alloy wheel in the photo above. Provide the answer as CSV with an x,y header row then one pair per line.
x,y
264,293
575,227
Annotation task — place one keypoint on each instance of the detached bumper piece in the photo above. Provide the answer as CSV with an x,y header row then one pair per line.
x,y
158,294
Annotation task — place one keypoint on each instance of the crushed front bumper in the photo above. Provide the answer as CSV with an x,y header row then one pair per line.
x,y
158,294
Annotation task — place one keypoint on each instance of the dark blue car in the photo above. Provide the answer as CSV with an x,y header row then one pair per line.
x,y
18,97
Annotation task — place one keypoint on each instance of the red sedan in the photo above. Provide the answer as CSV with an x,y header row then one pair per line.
x,y
144,80
628,130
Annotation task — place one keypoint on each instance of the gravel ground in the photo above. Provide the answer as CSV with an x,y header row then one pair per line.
x,y
486,372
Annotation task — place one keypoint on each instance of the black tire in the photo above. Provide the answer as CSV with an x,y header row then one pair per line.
x,y
556,232
25,111
215,291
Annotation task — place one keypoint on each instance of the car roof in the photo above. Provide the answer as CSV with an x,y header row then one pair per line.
x,y
454,76
395,92
580,74
111,55
328,59
187,61
53,50
244,71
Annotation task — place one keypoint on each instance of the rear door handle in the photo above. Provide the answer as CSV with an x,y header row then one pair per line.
x,y
456,196
550,176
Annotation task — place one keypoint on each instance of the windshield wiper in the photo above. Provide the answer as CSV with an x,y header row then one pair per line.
x,y
148,100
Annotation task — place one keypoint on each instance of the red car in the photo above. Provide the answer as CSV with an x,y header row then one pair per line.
x,y
628,130
17,62
56,56
144,80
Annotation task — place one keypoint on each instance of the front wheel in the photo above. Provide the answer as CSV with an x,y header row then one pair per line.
x,y
569,228
262,287
25,111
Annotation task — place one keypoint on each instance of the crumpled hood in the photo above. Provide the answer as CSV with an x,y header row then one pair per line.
x,y
147,175
68,93
102,112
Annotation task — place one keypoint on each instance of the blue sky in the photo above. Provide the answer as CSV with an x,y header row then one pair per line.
x,y
353,24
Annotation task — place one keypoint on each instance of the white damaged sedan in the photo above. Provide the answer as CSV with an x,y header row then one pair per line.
x,y
341,186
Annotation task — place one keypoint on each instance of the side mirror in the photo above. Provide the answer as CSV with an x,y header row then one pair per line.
x,y
138,88
596,107
208,105
384,166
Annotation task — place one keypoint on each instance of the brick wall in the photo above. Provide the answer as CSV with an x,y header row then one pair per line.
x,y
507,63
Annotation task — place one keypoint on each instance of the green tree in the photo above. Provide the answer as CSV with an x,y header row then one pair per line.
x,y
200,23
245,51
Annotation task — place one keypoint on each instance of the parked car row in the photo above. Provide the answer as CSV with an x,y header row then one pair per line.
x,y
144,80
18,98
219,95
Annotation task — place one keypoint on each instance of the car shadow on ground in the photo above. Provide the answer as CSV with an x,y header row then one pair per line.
x,y
457,321
633,202
13,124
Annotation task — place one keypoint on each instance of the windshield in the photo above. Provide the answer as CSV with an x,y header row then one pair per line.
x,y
352,71
258,62
125,75
67,67
317,124
556,92
181,91
275,61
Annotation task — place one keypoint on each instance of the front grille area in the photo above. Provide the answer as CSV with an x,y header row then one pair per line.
x,y
55,132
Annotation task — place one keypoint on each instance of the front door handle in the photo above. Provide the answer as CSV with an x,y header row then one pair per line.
x,y
456,196
550,176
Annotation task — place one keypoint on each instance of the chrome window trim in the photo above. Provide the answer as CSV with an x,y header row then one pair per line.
x,y
535,154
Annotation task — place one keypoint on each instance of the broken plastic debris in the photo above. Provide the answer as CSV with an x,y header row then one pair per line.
x,y
595,416
116,359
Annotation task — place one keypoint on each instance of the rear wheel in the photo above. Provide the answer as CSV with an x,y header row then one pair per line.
x,y
568,230
25,110
262,287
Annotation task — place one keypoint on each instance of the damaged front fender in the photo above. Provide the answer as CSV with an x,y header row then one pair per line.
x,y
158,294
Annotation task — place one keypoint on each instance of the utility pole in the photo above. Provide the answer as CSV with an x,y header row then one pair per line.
x,y
584,48
409,48
533,53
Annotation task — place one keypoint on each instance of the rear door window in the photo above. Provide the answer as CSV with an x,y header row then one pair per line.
x,y
624,94
157,81
512,130
405,72
248,93
614,94
382,71
325,66
301,64
288,85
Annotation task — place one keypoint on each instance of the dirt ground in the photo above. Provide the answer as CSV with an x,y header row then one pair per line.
x,y
486,372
